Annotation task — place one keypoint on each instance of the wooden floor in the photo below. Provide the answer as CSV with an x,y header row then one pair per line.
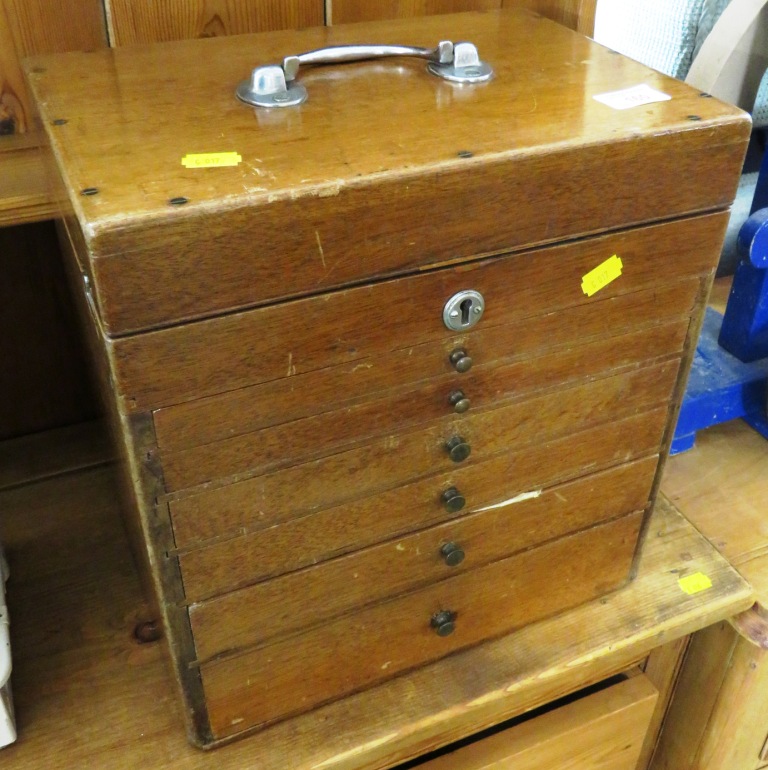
x,y
88,695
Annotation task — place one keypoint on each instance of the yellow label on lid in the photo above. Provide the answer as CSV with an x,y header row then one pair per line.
x,y
211,159
601,276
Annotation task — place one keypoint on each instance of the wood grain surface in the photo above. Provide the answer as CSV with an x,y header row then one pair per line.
x,y
601,730
293,338
156,263
330,432
356,651
29,27
348,11
315,595
77,665
142,21
232,413
250,506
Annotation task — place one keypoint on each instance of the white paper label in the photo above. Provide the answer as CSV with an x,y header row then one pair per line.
x,y
632,97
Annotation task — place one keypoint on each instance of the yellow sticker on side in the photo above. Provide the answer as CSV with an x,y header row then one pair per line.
x,y
694,584
601,276
211,159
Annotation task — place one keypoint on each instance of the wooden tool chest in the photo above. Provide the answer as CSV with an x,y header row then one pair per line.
x,y
393,370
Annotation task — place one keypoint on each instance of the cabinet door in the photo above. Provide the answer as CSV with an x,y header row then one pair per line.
x,y
146,21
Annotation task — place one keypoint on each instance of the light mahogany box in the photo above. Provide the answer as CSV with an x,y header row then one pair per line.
x,y
330,485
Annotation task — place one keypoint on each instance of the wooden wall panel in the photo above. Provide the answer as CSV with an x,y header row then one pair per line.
x,y
44,380
145,21
343,11
40,26
576,14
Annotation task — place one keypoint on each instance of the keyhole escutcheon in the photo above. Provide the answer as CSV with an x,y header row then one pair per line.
x,y
463,310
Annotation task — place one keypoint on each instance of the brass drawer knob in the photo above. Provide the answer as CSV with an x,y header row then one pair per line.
x,y
452,554
457,449
460,360
453,500
458,401
444,622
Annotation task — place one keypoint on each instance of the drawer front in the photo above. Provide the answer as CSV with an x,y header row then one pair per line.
x,y
243,410
200,359
604,730
319,435
239,561
396,460
315,595
359,650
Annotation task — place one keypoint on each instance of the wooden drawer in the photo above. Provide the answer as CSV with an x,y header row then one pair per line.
x,y
348,515
319,435
359,650
267,500
200,359
601,730
315,595
245,409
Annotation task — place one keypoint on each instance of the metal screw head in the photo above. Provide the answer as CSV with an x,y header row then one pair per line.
x,y
180,201
89,191
60,122
694,117
284,97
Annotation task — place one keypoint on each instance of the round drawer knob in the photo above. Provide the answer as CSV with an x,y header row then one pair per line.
x,y
453,554
444,622
458,449
460,360
453,500
458,401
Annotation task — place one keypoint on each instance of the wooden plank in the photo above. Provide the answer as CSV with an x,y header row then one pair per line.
x,y
579,15
602,731
77,666
717,719
662,669
24,194
143,21
720,485
61,450
29,27
395,636
166,263
321,592
347,11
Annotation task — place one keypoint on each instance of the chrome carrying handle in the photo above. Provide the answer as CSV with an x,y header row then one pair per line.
x,y
275,85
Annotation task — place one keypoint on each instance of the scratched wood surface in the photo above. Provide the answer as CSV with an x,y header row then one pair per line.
x,y
288,339
323,591
222,514
77,665
155,263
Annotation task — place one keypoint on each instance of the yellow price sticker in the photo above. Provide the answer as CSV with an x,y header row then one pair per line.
x,y
211,159
694,584
602,275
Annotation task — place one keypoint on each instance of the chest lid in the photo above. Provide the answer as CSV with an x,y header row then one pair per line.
x,y
187,203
